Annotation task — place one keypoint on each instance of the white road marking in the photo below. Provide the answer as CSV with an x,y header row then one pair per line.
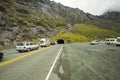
x,y
51,69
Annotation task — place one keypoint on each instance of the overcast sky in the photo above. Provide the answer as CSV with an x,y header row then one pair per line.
x,y
95,7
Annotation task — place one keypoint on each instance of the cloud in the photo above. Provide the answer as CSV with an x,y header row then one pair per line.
x,y
96,7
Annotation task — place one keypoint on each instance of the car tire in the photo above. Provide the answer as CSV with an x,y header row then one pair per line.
x,y
20,51
37,48
117,44
28,49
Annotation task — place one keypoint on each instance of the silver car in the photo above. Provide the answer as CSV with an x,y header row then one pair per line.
x,y
94,42
26,46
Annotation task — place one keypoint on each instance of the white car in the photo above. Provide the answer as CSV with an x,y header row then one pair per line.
x,y
118,41
26,46
94,42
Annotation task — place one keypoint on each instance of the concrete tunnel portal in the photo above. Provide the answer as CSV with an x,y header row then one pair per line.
x,y
60,41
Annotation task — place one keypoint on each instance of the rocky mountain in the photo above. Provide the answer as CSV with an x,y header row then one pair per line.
x,y
58,10
32,19
110,20
112,16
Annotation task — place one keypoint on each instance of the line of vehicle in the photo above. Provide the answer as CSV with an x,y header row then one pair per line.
x,y
21,57
51,69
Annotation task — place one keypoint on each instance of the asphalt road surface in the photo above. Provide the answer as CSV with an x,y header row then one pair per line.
x,y
88,62
80,61
31,66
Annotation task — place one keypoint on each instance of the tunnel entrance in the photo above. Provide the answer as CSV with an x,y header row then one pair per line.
x,y
60,41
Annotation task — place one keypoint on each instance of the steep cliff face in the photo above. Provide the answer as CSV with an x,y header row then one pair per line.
x,y
32,19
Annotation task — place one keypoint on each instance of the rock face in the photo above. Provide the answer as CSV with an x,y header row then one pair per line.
x,y
58,10
112,16
108,19
28,19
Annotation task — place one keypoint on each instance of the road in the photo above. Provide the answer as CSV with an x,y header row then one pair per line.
x,y
31,67
80,61
88,62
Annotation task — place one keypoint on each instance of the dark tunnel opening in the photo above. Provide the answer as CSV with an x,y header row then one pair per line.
x,y
60,41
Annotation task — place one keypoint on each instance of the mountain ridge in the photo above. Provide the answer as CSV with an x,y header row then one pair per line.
x,y
32,19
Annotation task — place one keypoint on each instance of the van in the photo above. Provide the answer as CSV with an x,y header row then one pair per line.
x,y
111,41
44,42
118,41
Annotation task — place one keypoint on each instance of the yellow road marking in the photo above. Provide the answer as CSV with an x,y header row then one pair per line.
x,y
21,57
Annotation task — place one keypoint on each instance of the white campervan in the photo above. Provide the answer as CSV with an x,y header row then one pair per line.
x,y
44,42
118,41
111,41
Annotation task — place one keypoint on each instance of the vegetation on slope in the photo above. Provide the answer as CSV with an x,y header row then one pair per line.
x,y
26,17
94,32
116,27
69,36
85,32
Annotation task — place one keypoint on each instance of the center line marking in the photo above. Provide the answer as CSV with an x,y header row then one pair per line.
x,y
21,57
51,69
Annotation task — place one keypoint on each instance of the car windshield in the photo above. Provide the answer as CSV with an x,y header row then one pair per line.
x,y
20,44
42,41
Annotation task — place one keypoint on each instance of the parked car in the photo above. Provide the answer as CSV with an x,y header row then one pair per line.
x,y
44,42
26,46
118,41
52,43
111,41
1,56
94,42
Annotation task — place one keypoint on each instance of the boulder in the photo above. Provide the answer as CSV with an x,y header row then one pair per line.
x,y
40,30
